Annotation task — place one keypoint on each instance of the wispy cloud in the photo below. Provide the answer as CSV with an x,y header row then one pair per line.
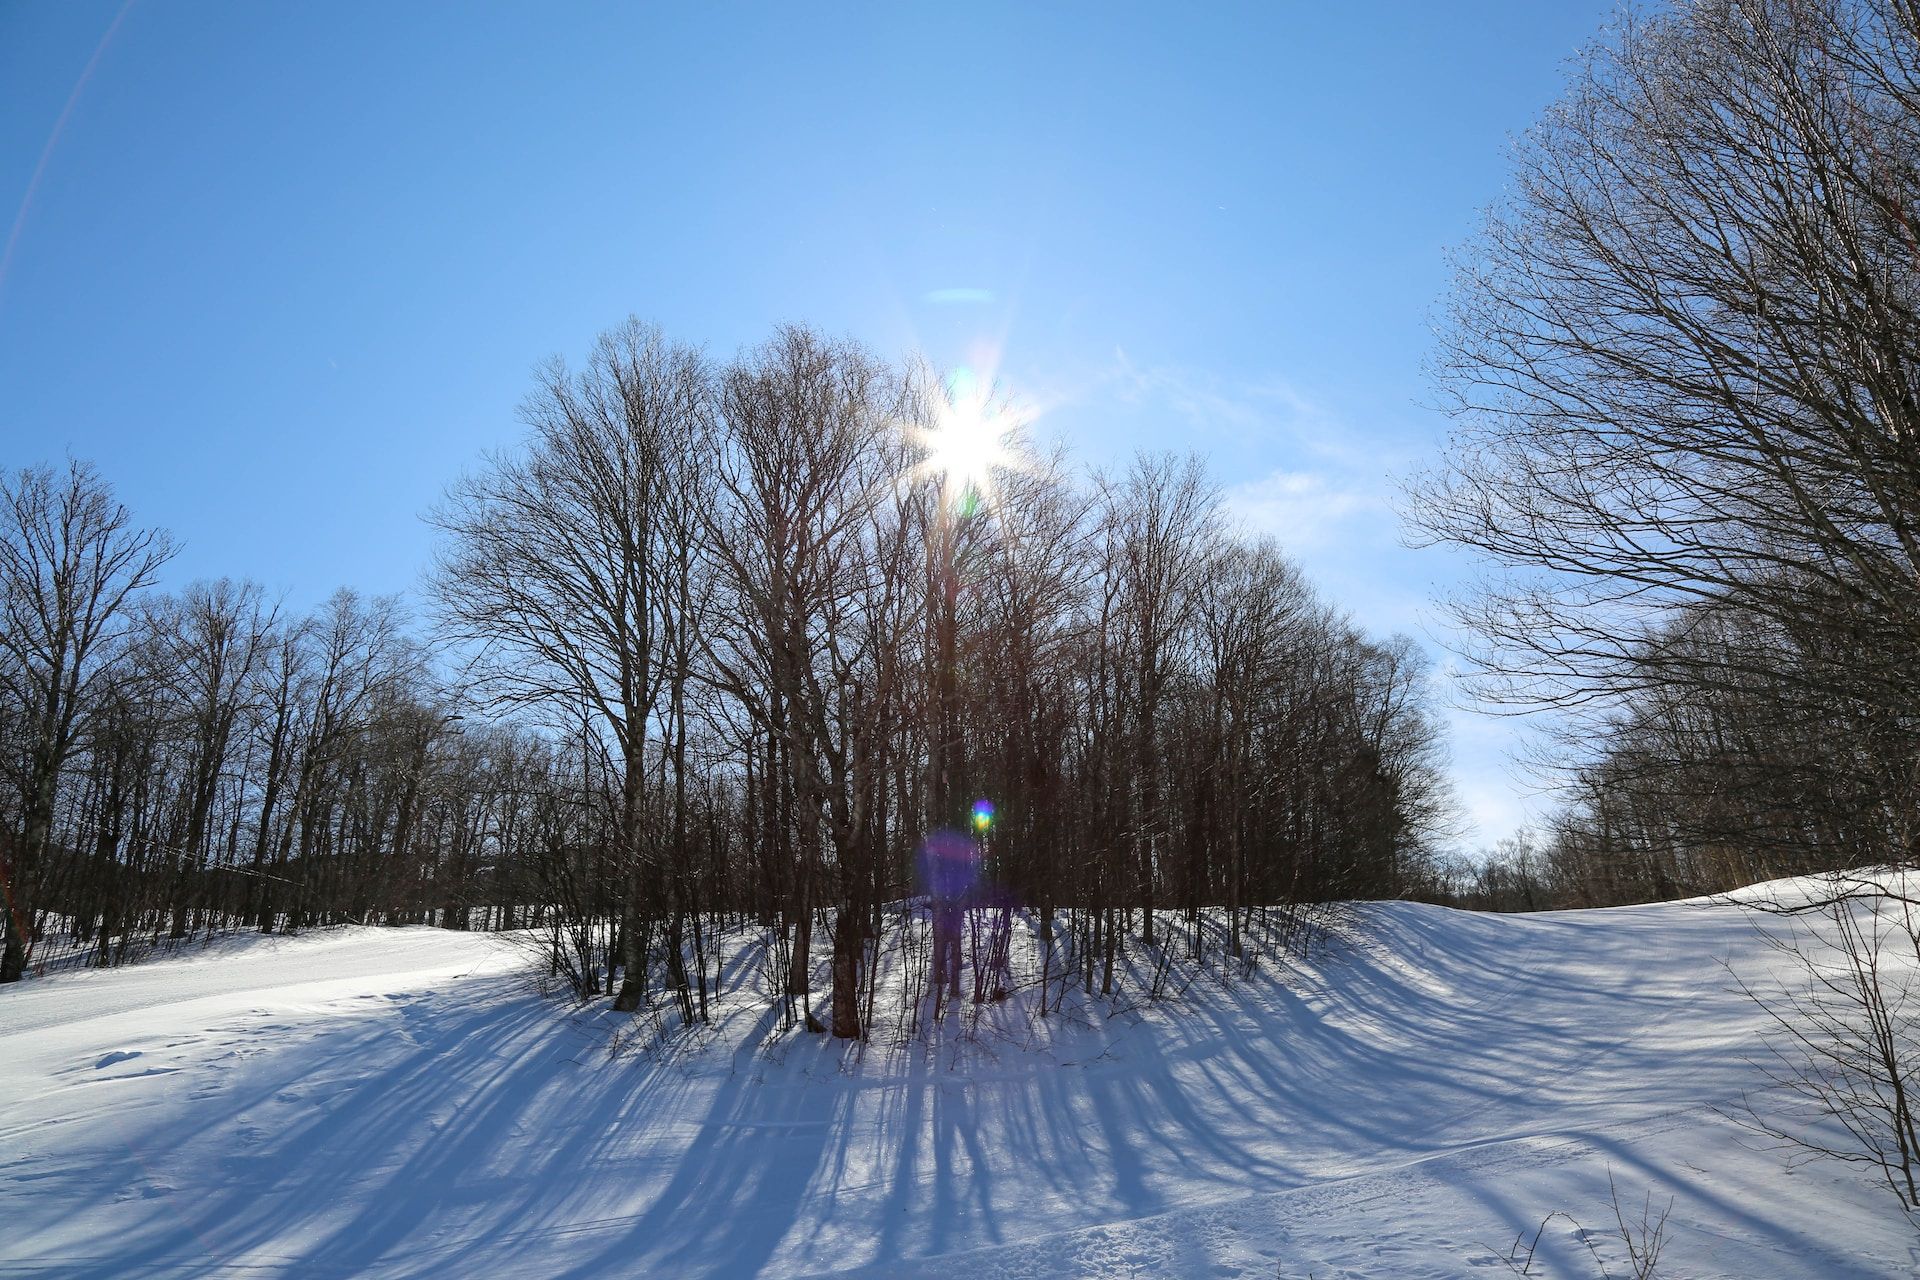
x,y
1259,413
957,297
1307,510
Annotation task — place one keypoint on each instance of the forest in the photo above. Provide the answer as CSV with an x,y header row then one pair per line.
x,y
1681,359
780,643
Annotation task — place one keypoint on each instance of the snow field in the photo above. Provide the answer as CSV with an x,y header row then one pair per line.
x,y
1432,1084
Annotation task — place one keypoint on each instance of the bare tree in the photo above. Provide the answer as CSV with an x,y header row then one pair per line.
x,y
71,562
1846,1019
1167,516
1683,354
553,568
207,646
803,478
1256,599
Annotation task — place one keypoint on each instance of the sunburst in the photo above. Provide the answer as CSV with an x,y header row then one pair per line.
x,y
969,443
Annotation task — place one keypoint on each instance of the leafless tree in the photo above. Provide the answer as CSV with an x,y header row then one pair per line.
x,y
207,645
802,540
1845,1045
554,568
71,563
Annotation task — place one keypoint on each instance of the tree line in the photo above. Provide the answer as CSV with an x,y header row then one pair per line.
x,y
775,643
1685,359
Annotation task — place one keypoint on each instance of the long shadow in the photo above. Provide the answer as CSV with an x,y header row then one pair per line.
x,y
758,1150
380,1127
482,1131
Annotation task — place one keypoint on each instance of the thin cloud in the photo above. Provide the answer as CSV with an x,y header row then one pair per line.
x,y
1305,510
958,297
1255,412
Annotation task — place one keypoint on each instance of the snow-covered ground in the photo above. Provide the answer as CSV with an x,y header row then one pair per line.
x,y
1433,1084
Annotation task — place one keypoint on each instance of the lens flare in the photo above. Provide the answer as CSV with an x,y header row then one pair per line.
x,y
982,815
949,866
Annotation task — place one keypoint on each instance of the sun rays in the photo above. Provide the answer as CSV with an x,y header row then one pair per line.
x,y
970,441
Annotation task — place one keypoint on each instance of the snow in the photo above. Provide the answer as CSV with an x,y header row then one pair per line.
x,y
1433,1084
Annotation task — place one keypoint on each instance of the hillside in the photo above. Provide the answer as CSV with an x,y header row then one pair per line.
x,y
402,1103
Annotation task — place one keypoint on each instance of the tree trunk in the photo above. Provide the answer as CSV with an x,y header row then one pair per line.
x,y
847,945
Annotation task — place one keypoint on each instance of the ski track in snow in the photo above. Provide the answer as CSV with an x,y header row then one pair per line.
x,y
400,1103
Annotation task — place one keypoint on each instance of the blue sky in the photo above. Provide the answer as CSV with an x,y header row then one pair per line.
x,y
282,270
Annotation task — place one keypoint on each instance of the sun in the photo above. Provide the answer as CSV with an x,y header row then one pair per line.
x,y
969,442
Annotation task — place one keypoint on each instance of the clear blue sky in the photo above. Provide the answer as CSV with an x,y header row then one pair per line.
x,y
282,270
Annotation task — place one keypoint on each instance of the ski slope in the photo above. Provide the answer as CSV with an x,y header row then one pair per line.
x,y
399,1103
